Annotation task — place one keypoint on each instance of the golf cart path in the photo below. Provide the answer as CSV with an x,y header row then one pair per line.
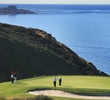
x,y
66,94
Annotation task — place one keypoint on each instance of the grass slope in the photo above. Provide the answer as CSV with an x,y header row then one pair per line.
x,y
76,84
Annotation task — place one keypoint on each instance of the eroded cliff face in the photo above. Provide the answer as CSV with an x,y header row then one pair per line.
x,y
68,54
33,52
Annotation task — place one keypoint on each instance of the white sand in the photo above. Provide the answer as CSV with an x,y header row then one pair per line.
x,y
66,94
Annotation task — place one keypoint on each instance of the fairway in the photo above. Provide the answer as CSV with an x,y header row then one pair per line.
x,y
75,84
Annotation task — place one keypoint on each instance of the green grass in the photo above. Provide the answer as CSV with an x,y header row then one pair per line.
x,y
75,84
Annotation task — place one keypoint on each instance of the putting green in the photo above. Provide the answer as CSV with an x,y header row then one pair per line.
x,y
94,82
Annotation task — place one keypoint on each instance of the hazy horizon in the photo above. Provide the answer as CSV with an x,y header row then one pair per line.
x,y
55,2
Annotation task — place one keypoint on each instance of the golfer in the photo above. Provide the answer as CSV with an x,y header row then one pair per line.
x,y
54,81
60,81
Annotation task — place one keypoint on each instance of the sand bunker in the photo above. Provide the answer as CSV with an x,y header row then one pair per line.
x,y
66,94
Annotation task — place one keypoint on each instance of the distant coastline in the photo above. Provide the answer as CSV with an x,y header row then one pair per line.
x,y
14,10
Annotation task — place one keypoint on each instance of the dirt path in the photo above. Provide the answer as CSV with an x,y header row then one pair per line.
x,y
66,94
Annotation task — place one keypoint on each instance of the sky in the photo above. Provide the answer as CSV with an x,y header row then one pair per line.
x,y
54,1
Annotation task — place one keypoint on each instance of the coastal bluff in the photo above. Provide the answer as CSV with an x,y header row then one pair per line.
x,y
33,52
12,9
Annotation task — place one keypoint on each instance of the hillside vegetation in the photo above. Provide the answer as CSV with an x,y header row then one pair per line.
x,y
33,52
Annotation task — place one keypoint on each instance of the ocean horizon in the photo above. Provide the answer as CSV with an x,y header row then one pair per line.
x,y
85,29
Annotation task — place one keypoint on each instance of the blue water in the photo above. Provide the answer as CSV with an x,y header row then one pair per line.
x,y
83,28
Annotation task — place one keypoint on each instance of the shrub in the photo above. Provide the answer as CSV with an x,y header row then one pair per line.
x,y
40,97
2,98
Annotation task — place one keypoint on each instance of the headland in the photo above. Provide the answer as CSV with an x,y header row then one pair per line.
x,y
14,10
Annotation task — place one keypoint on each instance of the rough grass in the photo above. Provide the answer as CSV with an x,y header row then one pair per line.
x,y
76,84
62,98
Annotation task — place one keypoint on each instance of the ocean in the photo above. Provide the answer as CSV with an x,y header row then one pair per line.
x,y
83,28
